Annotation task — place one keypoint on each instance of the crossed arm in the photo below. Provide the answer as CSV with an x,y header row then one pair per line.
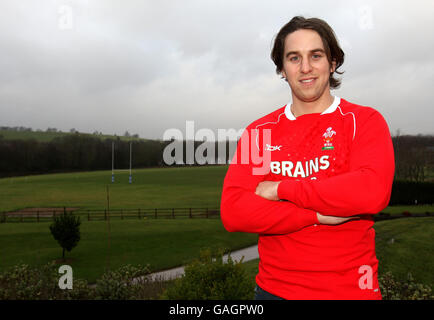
x,y
246,207
268,190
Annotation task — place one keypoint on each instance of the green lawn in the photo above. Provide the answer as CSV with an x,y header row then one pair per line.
x,y
162,243
165,243
411,249
412,209
151,188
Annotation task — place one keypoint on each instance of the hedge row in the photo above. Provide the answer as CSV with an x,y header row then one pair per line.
x,y
207,278
410,193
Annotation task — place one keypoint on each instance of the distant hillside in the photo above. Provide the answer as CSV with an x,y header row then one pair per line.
x,y
22,133
26,152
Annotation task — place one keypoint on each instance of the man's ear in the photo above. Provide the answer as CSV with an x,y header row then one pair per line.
x,y
333,66
283,75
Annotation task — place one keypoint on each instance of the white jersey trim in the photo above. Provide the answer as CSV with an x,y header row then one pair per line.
x,y
332,108
290,116
260,125
354,121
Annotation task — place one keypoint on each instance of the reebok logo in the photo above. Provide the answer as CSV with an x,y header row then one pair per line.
x,y
272,148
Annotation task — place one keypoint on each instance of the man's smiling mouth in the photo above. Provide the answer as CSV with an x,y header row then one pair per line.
x,y
307,81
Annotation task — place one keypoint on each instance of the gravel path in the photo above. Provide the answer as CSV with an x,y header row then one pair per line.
x,y
249,253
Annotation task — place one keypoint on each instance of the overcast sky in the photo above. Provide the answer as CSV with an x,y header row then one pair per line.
x,y
148,66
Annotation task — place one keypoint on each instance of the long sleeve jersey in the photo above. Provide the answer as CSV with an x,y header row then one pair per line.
x,y
337,163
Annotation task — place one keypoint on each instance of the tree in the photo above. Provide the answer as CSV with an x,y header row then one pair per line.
x,y
413,157
66,230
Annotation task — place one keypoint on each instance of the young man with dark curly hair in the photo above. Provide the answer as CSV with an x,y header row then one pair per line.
x,y
329,169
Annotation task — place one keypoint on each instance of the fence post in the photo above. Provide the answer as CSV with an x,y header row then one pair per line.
x,y
190,214
155,213
173,213
105,214
122,216
88,215
207,213
37,215
54,214
139,214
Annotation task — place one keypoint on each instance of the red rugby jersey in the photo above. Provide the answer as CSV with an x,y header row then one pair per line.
x,y
339,163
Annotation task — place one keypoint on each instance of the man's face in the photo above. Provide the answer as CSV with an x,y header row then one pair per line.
x,y
305,65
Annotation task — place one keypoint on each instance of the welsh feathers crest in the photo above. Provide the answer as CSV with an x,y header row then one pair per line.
x,y
328,138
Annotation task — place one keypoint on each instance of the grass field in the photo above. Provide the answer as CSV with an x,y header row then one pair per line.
x,y
151,188
411,249
412,209
161,243
169,243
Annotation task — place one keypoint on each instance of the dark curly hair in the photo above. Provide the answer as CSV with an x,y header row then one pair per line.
x,y
331,45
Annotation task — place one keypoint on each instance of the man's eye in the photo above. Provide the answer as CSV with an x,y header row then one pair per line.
x,y
316,56
295,58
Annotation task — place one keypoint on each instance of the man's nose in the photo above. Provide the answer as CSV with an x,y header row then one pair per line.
x,y
306,67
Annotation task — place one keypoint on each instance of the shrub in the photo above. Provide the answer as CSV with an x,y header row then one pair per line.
x,y
22,282
209,278
127,282
391,289
66,230
206,278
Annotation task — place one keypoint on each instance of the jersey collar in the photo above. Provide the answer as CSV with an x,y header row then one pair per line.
x,y
332,108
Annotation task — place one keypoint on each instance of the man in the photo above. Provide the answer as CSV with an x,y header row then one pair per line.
x,y
330,168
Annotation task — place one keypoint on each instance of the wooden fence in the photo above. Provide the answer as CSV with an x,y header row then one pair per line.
x,y
155,213
104,214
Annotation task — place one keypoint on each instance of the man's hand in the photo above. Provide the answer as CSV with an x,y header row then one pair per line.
x,y
332,220
268,190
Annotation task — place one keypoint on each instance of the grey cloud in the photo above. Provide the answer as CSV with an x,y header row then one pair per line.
x,y
146,66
